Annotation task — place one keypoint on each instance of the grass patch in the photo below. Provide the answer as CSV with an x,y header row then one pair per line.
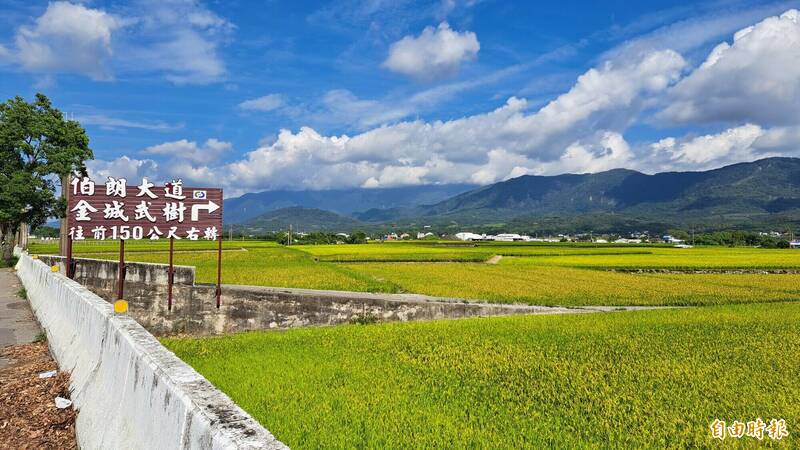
x,y
8,262
40,337
621,380
22,293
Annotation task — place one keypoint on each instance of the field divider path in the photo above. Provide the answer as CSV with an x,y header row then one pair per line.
x,y
507,308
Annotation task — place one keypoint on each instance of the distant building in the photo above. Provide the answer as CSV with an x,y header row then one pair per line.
x,y
467,236
628,241
508,237
794,244
422,235
671,240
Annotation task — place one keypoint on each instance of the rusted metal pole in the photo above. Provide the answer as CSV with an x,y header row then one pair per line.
x,y
70,272
170,275
121,271
219,269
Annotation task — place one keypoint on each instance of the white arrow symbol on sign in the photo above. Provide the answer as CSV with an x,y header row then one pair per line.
x,y
210,207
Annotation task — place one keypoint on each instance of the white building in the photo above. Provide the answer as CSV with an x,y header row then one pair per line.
x,y
467,236
508,237
794,244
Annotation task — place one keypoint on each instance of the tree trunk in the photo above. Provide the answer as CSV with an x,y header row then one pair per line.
x,y
63,231
22,236
8,243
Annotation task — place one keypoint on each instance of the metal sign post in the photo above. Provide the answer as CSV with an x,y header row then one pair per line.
x,y
170,275
121,269
218,291
70,263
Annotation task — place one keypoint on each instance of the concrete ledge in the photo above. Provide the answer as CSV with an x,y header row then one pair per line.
x,y
130,391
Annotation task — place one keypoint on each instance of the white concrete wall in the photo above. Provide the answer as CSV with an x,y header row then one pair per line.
x,y
130,391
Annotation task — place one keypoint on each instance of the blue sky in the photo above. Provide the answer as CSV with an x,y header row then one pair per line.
x,y
314,95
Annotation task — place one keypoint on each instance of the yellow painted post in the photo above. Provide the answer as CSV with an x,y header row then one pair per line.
x,y
120,306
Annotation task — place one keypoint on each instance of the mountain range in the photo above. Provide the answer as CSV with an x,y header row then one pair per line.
x,y
340,201
751,195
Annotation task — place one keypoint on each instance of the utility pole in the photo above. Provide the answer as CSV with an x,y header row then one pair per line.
x,y
230,233
289,236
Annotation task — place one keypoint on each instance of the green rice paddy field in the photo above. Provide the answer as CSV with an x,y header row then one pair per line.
x,y
649,379
644,379
554,274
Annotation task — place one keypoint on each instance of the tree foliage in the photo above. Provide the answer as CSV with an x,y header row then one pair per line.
x,y
38,147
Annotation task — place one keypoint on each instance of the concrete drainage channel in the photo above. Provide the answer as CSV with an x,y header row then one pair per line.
x,y
130,391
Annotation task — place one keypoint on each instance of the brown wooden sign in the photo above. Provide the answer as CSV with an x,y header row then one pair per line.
x,y
116,209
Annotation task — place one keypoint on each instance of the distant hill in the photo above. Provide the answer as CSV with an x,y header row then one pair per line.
x,y
761,193
301,219
340,201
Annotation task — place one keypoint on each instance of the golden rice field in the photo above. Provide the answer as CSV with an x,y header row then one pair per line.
x,y
559,274
648,379
519,280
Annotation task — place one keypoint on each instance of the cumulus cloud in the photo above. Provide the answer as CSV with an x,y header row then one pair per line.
x,y
732,144
67,38
264,103
578,131
189,152
178,39
124,167
747,142
756,78
582,130
436,53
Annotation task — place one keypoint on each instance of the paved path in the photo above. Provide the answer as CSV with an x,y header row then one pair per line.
x,y
17,325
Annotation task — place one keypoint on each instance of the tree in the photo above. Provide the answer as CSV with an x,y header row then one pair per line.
x,y
39,149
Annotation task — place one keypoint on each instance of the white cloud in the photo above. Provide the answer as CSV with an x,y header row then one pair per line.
x,y
189,152
747,142
579,131
124,167
346,108
756,78
729,145
606,151
265,103
68,38
178,39
434,54
110,123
